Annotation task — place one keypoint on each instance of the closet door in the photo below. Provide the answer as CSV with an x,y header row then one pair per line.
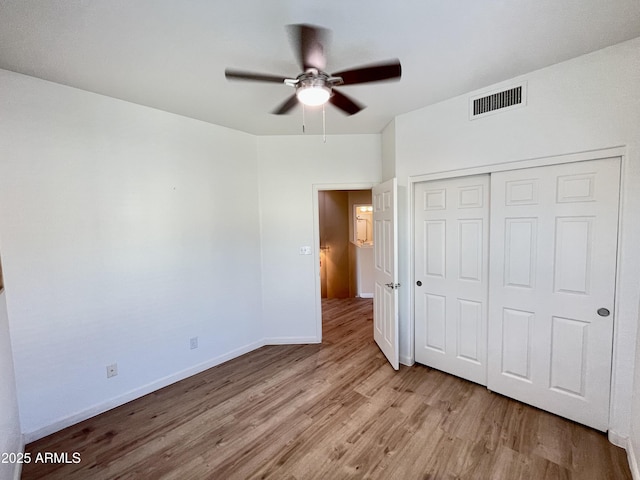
x,y
553,267
450,284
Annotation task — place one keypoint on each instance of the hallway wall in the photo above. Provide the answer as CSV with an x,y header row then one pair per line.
x,y
336,260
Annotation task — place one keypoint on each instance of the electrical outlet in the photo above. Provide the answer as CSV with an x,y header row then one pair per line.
x,y
112,370
306,250
193,342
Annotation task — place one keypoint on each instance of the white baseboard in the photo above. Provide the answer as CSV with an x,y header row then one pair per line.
x,y
408,361
625,442
633,461
290,340
617,439
137,393
158,384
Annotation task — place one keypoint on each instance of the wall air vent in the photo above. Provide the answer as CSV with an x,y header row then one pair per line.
x,y
498,101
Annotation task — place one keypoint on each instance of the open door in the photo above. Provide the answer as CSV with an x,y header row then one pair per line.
x,y
385,251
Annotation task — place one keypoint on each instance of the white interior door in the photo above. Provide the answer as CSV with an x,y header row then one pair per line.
x,y
553,266
451,275
385,252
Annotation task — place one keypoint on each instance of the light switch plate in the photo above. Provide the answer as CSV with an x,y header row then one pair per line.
x,y
305,250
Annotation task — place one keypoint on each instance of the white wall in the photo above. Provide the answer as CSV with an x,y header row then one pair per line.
x,y
10,433
389,151
124,232
290,166
588,103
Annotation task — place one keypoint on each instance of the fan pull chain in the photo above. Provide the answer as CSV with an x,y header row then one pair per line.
x,y
324,126
303,130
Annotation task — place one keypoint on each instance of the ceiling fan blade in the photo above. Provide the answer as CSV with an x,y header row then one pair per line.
x,y
371,73
286,106
258,77
308,43
344,103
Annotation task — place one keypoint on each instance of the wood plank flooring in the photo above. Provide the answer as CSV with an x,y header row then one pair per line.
x,y
330,411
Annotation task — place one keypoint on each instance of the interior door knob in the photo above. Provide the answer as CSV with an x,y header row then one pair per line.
x,y
419,283
603,312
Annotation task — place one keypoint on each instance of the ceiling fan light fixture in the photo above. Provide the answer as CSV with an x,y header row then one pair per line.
x,y
314,86
313,95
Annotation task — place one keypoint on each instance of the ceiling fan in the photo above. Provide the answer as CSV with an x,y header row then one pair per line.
x,y
314,86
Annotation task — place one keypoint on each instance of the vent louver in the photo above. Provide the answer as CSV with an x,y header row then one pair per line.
x,y
512,97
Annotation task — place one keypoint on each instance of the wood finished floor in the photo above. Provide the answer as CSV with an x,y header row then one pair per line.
x,y
329,411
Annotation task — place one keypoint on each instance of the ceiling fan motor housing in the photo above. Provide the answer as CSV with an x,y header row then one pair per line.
x,y
313,87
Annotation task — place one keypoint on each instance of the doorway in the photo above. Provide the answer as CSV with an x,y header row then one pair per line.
x,y
346,244
337,202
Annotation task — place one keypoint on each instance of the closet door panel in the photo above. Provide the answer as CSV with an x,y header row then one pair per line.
x,y
451,275
553,268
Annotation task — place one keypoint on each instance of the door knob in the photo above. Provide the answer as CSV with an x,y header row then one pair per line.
x,y
419,283
603,312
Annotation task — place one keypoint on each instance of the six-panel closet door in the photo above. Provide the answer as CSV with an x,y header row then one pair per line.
x,y
451,279
536,323
553,267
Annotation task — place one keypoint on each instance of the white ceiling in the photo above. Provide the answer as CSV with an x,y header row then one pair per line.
x,y
171,54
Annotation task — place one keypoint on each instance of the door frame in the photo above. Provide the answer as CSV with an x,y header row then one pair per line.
x,y
618,152
317,188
